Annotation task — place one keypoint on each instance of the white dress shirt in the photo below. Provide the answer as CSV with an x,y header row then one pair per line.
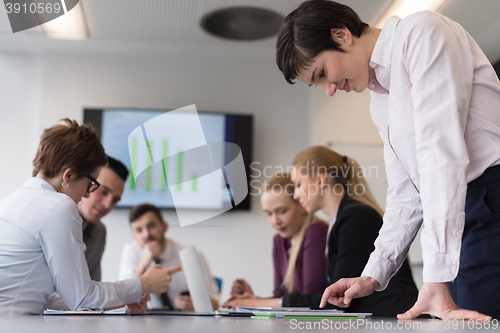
x,y
436,101
131,255
42,252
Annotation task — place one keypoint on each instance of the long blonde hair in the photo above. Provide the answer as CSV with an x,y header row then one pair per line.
x,y
338,169
283,182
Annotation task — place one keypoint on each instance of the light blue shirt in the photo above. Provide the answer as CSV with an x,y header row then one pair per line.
x,y
42,252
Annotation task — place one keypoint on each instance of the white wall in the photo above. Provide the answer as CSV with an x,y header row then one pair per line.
x,y
344,118
236,244
20,93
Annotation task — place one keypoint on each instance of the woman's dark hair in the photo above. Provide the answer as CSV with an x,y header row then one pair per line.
x,y
306,32
140,210
69,145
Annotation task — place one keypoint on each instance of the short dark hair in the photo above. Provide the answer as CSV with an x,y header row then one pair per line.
x,y
69,145
140,210
305,33
118,167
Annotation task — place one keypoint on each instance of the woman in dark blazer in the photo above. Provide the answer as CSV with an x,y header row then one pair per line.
x,y
333,183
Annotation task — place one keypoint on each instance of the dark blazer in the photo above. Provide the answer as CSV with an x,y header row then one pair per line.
x,y
350,243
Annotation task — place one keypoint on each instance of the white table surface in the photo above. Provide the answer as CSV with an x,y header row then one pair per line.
x,y
153,324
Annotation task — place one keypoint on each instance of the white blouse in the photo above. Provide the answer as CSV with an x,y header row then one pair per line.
x,y
42,252
436,102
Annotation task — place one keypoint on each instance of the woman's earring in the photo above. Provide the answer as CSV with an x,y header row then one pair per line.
x,y
64,185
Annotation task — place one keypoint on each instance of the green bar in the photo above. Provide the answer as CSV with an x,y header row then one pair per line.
x,y
148,169
272,316
319,317
194,182
179,170
133,160
164,165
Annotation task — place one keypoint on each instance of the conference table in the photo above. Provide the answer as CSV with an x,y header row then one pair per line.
x,y
188,324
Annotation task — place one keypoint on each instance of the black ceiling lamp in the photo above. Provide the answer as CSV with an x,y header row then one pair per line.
x,y
242,23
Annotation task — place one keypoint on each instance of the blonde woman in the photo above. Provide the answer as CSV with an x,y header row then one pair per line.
x,y
334,183
298,249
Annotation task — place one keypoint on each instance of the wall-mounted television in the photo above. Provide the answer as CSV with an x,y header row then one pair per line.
x,y
114,125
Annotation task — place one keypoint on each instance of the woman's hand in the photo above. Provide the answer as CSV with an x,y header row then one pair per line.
x,y
240,286
435,299
251,301
342,292
243,296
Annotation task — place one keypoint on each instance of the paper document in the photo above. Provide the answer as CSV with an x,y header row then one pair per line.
x,y
122,310
87,311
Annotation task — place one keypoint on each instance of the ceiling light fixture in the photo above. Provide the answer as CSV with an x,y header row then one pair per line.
x,y
242,23
403,8
71,25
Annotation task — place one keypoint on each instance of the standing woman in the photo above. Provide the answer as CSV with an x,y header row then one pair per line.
x,y
435,99
41,245
298,247
325,180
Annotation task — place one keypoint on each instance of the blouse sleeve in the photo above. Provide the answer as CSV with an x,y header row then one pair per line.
x,y
60,236
441,70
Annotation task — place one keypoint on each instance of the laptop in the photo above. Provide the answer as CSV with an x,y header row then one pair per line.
x,y
198,289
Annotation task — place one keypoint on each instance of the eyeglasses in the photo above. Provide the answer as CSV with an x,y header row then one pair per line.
x,y
95,184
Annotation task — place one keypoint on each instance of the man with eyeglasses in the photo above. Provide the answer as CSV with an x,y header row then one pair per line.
x,y
99,203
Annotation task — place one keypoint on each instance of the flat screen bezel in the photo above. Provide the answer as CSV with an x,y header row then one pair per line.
x,y
243,137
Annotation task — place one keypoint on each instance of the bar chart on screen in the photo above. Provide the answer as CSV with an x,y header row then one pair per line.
x,y
160,152
177,170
